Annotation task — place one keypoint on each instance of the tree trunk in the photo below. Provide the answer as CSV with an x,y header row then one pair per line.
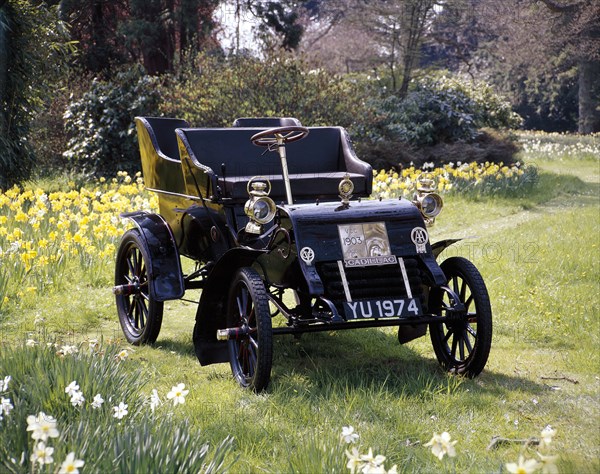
x,y
589,97
4,45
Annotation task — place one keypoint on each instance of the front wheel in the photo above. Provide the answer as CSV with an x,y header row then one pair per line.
x,y
140,314
462,342
250,353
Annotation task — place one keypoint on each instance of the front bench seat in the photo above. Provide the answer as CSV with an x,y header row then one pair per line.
x,y
316,164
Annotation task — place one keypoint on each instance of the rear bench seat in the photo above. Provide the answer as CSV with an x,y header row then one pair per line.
x,y
161,166
316,164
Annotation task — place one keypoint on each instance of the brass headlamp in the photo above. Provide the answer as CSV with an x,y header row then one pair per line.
x,y
429,202
260,208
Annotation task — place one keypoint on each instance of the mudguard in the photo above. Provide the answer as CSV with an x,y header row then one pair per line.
x,y
166,282
442,245
213,304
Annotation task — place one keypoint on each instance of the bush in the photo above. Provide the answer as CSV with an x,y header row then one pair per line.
x,y
101,126
438,112
238,86
441,110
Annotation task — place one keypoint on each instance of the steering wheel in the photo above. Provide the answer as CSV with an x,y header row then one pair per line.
x,y
273,136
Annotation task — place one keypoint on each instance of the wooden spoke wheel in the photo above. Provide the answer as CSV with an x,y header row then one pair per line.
x,y
139,314
462,343
250,353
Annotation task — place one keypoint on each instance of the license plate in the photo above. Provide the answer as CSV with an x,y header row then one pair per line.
x,y
365,245
387,308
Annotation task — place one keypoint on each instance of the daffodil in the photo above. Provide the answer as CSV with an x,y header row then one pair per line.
x,y
547,434
177,394
441,445
372,461
120,411
97,401
154,400
548,464
72,388
77,399
42,454
523,466
71,465
354,460
122,355
5,407
42,426
4,383
348,435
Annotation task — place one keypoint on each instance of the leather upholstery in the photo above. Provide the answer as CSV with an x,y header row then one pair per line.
x,y
267,122
316,164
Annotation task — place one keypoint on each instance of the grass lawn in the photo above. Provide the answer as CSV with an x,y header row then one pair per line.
x,y
539,256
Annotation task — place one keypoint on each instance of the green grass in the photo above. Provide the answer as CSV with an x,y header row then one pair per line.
x,y
539,255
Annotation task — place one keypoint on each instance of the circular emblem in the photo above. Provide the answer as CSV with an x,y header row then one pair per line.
x,y
419,237
307,255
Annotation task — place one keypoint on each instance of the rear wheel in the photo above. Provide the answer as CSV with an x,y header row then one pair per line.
x,y
462,343
251,352
140,314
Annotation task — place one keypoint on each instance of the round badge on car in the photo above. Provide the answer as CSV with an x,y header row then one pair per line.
x,y
307,255
419,237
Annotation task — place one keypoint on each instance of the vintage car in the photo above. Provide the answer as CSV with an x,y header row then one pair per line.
x,y
279,221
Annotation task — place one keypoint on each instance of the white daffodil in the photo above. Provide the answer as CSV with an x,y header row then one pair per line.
x,y
97,401
5,406
177,394
523,466
4,383
348,435
548,464
42,454
42,426
154,400
71,465
441,445
93,345
72,388
77,399
31,343
120,411
122,355
354,461
372,461
547,434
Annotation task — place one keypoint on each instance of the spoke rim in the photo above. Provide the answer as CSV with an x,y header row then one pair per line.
x,y
245,347
459,334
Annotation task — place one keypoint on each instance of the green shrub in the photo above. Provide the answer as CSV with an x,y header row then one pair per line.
x,y
440,110
101,126
220,90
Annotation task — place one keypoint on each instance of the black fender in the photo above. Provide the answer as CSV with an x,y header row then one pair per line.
x,y
442,245
166,278
213,304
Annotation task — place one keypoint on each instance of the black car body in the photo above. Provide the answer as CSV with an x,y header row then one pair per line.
x,y
290,233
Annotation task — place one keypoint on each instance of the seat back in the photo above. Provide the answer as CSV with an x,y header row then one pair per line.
x,y
161,166
319,152
267,122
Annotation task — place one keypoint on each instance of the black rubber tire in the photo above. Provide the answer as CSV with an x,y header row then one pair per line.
x,y
462,345
139,314
250,356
